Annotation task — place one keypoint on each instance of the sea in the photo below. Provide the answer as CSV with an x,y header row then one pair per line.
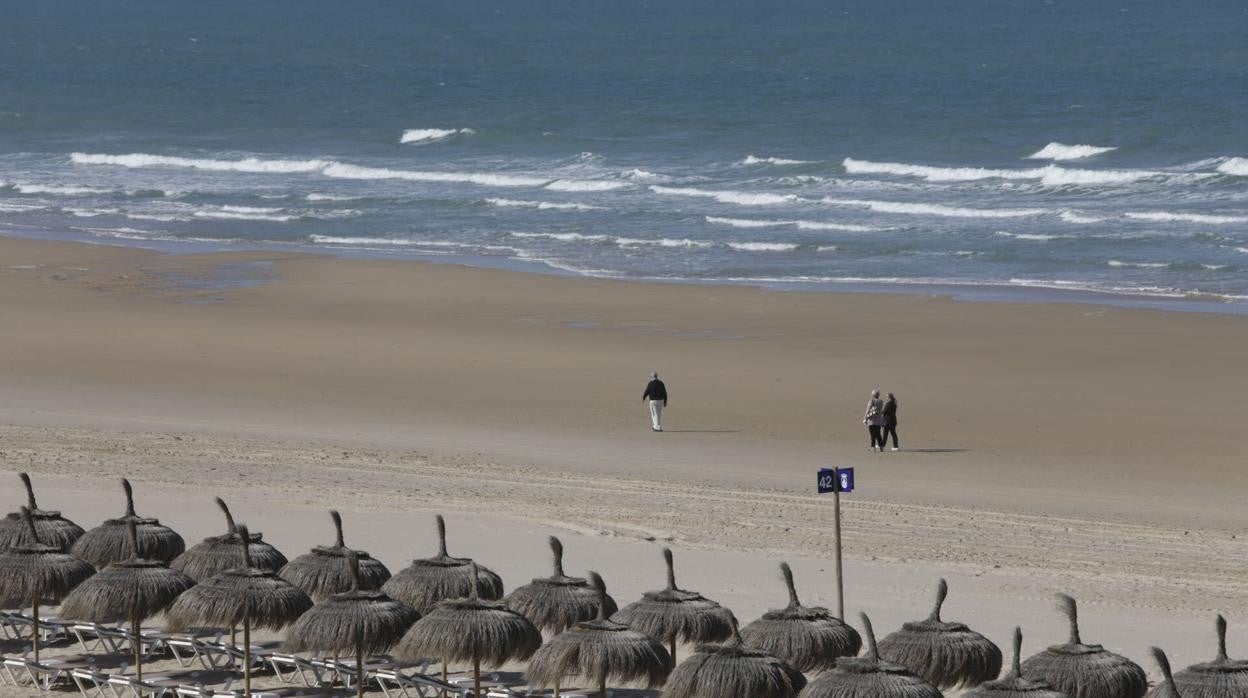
x,y
1003,148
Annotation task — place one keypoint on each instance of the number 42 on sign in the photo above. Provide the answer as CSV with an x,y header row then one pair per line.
x,y
836,480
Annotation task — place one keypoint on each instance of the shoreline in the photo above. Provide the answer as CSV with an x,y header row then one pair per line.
x,y
1024,291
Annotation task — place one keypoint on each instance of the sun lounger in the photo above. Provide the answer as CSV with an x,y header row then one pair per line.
x,y
394,682
124,686
21,671
291,668
91,683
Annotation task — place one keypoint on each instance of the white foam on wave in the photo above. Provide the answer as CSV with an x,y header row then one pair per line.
x,y
1061,151
640,175
756,160
563,237
800,225
1168,217
314,196
585,185
763,246
242,213
913,209
1138,265
58,190
1075,217
826,248
93,212
542,205
662,242
139,160
739,198
1049,175
428,135
1033,237
331,240
1235,166
343,171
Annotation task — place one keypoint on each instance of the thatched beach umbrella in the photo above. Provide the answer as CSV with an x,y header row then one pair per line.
x,y
730,670
325,572
1014,685
808,639
52,528
246,595
471,630
127,591
34,573
675,614
947,654
109,542
601,651
869,677
1222,678
1167,688
557,602
355,621
1085,671
216,554
426,582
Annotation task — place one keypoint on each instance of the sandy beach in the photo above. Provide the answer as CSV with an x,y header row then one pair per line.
x,y
1079,448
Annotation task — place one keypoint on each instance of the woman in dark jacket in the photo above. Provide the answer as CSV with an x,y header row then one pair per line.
x,y
889,412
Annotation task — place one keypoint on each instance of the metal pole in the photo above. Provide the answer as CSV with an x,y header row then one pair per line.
x,y
836,530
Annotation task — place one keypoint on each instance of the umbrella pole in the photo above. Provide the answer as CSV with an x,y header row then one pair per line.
x,y
138,648
476,677
359,670
602,686
247,656
673,650
34,611
556,688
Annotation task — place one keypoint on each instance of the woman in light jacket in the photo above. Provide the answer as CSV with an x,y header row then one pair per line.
x,y
874,419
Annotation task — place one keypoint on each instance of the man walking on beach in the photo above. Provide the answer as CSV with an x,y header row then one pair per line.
x,y
656,394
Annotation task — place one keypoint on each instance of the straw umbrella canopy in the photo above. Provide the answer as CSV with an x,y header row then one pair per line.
x,y
808,639
947,654
601,650
731,670
246,595
356,621
109,542
675,614
324,571
216,554
1014,685
127,591
1221,678
1085,671
52,528
34,573
425,582
1167,688
557,602
471,630
869,677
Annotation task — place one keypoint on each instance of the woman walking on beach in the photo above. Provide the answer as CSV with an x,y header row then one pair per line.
x,y
890,421
874,419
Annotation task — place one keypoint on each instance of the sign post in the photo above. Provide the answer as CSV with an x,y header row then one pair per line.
x,y
836,481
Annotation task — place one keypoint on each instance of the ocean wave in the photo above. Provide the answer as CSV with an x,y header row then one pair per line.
x,y
138,160
1242,250
563,237
93,212
584,185
225,214
739,198
339,170
331,197
1049,175
542,205
20,206
762,246
1033,237
1074,217
1061,151
1167,217
640,175
914,209
1138,265
332,240
662,242
755,160
1235,166
826,248
800,225
58,190
428,135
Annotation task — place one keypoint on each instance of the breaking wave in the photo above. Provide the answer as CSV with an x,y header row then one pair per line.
x,y
428,135
1049,175
542,205
763,246
1061,151
1235,166
1166,217
136,160
913,209
755,160
584,185
800,225
739,198
343,171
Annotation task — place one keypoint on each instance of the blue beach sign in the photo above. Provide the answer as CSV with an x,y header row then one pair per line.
x,y
836,480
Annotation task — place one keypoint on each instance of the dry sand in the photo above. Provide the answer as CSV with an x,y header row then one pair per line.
x,y
1078,448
